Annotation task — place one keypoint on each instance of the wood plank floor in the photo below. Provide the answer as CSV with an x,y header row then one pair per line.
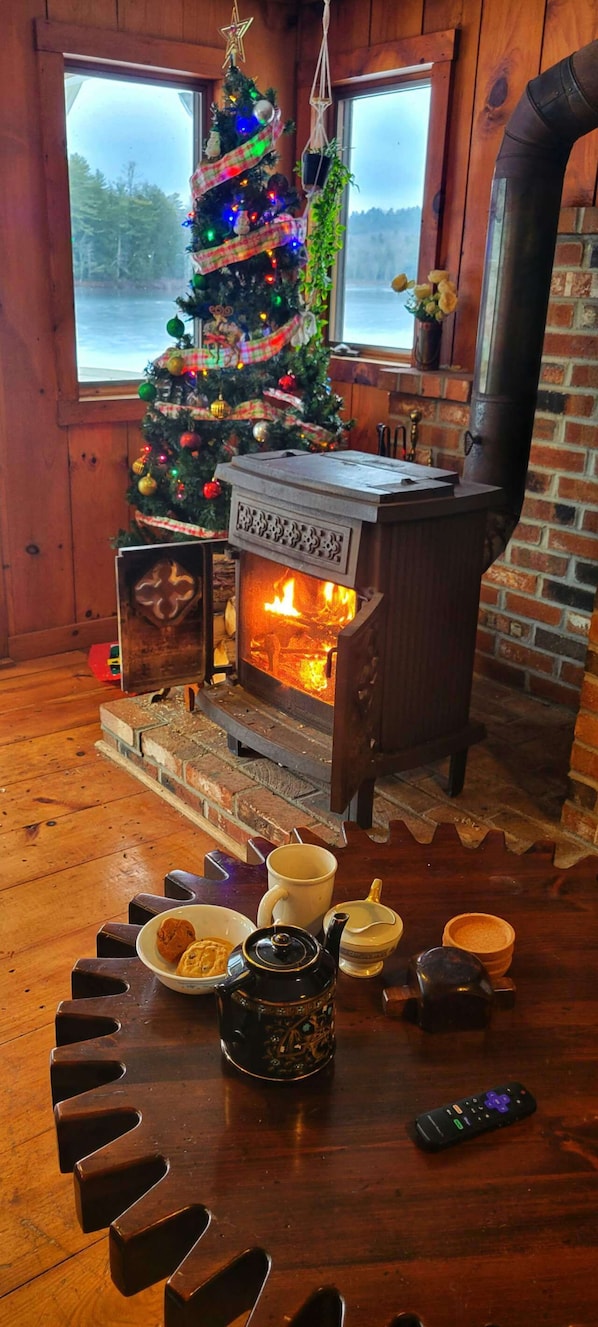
x,y
78,837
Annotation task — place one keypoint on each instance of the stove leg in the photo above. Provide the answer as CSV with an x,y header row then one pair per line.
x,y
361,807
456,774
238,748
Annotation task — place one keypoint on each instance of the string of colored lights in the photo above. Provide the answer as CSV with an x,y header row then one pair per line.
x,y
207,176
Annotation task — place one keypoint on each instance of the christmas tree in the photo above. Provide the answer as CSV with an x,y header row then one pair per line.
x,y
258,380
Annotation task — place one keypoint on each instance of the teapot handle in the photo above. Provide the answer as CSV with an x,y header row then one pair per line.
x,y
267,905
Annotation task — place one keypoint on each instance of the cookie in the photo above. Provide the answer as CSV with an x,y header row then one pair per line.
x,y
205,958
173,937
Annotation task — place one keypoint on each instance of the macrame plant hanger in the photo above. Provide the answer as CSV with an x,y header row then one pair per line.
x,y
315,158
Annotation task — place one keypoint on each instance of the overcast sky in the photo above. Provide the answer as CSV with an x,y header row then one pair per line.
x,y
112,124
388,158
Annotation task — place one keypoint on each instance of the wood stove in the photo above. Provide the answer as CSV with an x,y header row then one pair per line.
x,y
357,600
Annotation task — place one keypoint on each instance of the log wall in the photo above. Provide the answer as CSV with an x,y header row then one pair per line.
x,y
62,485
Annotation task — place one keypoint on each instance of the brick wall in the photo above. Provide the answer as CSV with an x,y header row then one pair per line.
x,y
537,599
580,811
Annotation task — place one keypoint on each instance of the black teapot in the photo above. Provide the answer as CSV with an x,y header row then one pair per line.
x,y
276,1005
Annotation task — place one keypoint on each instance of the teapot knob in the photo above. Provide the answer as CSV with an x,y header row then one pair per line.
x,y
336,926
375,891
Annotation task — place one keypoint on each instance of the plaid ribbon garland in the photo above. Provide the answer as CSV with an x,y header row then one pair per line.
x,y
179,527
285,227
256,409
248,352
252,410
242,158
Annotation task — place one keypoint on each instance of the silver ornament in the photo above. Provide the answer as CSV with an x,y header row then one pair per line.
x,y
263,111
260,430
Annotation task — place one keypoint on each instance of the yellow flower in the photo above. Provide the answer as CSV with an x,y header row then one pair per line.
x,y
431,300
447,301
447,285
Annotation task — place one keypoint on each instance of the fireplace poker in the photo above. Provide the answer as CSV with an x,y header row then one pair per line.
x,y
388,448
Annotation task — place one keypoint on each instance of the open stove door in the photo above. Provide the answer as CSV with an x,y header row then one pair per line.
x,y
358,698
165,617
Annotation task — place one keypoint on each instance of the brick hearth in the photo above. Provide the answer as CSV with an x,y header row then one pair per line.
x,y
515,781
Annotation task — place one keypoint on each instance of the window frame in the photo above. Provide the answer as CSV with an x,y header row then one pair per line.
x,y
384,65
59,47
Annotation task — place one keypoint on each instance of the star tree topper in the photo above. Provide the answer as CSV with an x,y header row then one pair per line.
x,y
233,35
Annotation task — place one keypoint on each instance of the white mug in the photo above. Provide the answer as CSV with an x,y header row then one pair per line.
x,y
300,884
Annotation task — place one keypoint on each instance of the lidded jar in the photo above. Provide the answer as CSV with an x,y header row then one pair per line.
x,y
276,1006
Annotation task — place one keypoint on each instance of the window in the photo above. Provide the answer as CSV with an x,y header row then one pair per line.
x,y
132,147
392,107
121,124
384,136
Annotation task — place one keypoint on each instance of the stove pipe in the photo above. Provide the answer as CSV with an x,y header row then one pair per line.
x,y
556,108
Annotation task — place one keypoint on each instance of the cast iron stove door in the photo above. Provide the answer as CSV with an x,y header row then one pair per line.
x,y
357,702
164,594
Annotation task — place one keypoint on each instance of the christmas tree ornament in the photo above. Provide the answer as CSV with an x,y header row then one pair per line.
x,y
147,392
288,382
213,145
241,226
260,431
263,111
175,327
219,408
212,489
190,440
147,485
198,281
233,36
138,466
175,365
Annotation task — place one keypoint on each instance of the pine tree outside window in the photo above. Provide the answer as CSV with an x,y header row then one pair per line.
x,y
132,146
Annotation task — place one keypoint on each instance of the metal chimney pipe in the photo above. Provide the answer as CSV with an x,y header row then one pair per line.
x,y
556,108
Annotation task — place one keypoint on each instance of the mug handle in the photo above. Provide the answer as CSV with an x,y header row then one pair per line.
x,y
267,904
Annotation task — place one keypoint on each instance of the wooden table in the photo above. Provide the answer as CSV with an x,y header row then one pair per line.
x,y
302,1198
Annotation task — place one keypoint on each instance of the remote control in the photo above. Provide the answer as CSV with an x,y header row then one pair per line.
x,y
472,1116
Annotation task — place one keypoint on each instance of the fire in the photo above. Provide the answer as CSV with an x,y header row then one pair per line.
x,y
284,606
338,606
299,647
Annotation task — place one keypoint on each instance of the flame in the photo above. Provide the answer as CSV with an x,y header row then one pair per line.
x,y
284,606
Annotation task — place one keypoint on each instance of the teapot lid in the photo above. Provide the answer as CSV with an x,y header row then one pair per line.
x,y
281,949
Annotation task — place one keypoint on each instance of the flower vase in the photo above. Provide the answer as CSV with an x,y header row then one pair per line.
x,y
426,349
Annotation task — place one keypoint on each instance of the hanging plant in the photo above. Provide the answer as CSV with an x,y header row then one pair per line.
x,y
325,237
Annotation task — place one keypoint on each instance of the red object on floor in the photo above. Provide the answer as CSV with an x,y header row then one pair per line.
x,y
104,661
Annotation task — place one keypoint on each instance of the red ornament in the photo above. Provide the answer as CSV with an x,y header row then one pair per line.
x,y
212,489
190,440
288,382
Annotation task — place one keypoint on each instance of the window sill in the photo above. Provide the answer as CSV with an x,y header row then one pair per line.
x,y
116,409
451,384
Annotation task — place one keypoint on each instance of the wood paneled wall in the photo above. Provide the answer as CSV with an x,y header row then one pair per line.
x,y
62,487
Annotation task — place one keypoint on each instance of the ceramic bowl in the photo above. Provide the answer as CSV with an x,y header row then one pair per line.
x,y
362,953
491,939
206,920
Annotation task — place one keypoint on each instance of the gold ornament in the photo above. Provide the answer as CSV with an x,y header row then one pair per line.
x,y
138,466
260,430
219,408
175,365
147,485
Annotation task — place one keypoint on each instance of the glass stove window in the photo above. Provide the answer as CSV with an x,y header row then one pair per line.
x,y
385,138
132,146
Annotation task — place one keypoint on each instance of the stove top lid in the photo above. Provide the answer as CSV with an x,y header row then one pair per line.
x,y
350,474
